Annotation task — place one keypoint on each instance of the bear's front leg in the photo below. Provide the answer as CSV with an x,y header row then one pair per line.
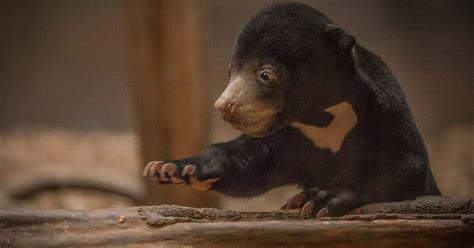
x,y
241,167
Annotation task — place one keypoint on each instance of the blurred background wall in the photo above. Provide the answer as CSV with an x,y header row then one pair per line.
x,y
68,120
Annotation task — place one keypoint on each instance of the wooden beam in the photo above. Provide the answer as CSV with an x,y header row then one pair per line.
x,y
168,88
206,227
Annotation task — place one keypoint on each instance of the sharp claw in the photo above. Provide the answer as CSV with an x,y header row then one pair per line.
x,y
202,185
152,167
295,201
166,168
307,208
176,180
148,167
171,169
188,170
156,172
324,212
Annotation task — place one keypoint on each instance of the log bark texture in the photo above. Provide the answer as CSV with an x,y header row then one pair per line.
x,y
175,226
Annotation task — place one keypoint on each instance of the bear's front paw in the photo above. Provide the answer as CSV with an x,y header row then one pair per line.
x,y
164,172
323,203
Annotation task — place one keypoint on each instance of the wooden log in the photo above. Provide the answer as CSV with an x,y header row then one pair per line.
x,y
206,227
168,88
423,204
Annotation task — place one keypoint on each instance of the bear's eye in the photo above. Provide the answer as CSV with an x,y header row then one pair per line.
x,y
265,76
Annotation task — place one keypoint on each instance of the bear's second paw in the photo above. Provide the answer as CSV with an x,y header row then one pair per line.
x,y
323,203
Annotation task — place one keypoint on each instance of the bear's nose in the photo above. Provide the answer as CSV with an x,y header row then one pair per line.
x,y
224,106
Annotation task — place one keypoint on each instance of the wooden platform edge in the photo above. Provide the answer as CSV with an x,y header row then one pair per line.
x,y
207,227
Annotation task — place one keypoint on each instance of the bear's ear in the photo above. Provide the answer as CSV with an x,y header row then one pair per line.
x,y
342,40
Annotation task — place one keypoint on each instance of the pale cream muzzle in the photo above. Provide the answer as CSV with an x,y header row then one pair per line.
x,y
239,105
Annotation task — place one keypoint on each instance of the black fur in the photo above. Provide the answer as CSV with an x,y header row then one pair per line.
x,y
382,159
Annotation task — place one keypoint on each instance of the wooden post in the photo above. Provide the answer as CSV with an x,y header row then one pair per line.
x,y
168,89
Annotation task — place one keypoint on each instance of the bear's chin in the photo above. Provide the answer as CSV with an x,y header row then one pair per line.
x,y
266,129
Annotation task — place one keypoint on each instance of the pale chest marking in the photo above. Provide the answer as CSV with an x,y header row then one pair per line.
x,y
332,136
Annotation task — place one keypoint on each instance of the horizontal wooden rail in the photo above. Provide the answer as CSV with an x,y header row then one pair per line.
x,y
425,222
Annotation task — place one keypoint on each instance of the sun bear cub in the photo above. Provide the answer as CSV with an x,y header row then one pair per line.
x,y
316,109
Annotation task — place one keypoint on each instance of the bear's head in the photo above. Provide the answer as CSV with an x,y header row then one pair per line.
x,y
282,69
